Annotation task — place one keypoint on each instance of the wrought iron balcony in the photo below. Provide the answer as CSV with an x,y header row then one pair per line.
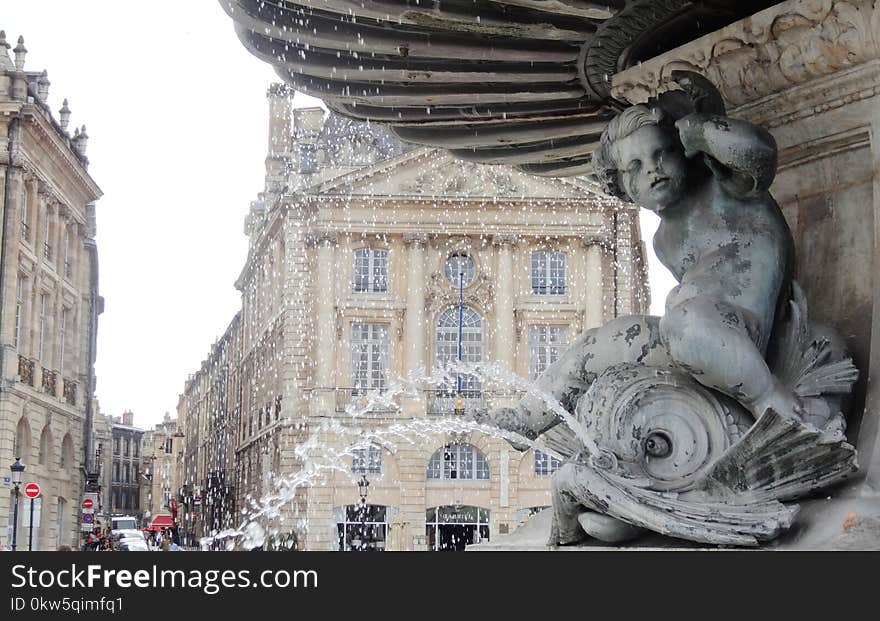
x,y
447,402
26,370
50,381
362,398
70,392
47,251
25,233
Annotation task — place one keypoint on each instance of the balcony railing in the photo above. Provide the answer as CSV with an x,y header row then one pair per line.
x,y
362,399
68,269
438,401
70,392
24,231
47,251
444,402
26,370
50,381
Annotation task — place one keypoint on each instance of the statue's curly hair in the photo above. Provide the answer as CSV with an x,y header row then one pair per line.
x,y
631,119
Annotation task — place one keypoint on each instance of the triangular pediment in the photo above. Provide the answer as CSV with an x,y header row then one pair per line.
x,y
427,173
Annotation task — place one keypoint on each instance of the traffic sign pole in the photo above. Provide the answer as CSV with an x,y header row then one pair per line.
x,y
32,491
31,529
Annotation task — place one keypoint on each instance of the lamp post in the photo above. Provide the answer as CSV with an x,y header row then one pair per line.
x,y
363,484
17,472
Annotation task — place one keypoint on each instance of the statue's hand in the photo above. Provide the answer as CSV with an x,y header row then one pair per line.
x,y
705,96
507,419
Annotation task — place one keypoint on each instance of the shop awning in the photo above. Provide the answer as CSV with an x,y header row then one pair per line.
x,y
162,521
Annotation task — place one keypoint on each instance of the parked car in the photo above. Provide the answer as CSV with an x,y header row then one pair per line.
x,y
133,545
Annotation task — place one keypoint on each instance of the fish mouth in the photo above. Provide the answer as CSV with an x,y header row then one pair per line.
x,y
659,181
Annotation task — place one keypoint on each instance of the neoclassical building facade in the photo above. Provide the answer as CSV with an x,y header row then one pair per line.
x,y
371,265
49,303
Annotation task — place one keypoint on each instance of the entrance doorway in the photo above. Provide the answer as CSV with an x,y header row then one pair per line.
x,y
452,527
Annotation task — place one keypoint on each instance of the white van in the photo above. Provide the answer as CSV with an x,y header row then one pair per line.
x,y
123,522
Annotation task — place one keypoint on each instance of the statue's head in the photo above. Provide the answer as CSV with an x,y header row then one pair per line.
x,y
640,157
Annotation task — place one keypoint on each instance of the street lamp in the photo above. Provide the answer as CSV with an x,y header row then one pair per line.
x,y
363,484
17,472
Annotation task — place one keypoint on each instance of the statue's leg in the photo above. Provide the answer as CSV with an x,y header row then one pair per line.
x,y
577,512
715,341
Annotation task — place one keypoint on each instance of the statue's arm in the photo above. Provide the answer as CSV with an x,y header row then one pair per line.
x,y
741,154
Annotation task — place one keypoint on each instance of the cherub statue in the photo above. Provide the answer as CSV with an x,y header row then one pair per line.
x,y
726,241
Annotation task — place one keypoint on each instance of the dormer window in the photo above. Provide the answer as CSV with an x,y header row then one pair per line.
x,y
308,158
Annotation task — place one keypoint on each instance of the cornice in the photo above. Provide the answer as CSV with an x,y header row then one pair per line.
x,y
787,45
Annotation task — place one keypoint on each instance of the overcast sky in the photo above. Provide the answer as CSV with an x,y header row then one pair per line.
x,y
176,114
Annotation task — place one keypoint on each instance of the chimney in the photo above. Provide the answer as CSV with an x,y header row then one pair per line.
x,y
43,86
128,418
279,119
20,52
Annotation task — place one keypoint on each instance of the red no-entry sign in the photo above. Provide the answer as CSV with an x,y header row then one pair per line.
x,y
31,490
88,503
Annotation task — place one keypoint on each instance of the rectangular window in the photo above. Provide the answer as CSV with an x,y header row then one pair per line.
x,y
67,266
369,356
127,447
47,237
548,273
370,270
61,336
19,311
169,445
546,345
116,445
42,331
25,232
367,460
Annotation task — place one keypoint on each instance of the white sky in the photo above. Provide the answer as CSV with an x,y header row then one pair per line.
x,y
177,120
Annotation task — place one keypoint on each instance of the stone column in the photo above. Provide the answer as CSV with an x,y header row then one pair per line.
x,y
594,289
505,337
505,319
325,322
415,329
10,275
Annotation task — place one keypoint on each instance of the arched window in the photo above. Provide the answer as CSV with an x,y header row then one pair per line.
x,y
545,465
61,536
370,270
67,452
458,461
459,269
22,446
447,337
45,445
